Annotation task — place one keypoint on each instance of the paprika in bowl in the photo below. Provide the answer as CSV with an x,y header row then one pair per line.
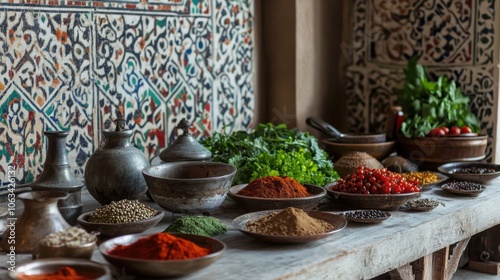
x,y
145,254
276,192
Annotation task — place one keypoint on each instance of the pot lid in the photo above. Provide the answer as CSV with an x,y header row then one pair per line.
x,y
185,147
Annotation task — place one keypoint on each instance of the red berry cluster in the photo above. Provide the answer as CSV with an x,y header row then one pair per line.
x,y
375,181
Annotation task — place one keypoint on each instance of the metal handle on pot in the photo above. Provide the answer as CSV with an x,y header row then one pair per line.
x,y
323,126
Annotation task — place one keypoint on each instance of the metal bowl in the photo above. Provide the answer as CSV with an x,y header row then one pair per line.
x,y
163,268
258,204
189,187
448,170
89,269
118,229
371,201
338,223
83,251
377,150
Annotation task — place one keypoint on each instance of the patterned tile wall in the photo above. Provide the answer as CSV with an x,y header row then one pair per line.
x,y
455,38
77,65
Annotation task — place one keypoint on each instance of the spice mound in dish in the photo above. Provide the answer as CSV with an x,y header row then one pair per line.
x,y
70,237
289,222
423,177
63,273
122,211
275,187
160,246
204,225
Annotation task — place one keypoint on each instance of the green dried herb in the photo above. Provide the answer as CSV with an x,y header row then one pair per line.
x,y
204,225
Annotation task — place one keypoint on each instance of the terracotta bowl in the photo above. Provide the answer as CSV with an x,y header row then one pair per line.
x,y
162,268
431,152
371,201
258,204
448,170
377,150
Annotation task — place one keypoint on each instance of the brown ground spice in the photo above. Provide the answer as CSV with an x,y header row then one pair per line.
x,y
291,222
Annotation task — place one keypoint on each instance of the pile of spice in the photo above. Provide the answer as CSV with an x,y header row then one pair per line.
x,y
464,186
274,187
122,211
423,202
367,214
160,246
63,273
70,237
204,225
473,170
289,222
423,177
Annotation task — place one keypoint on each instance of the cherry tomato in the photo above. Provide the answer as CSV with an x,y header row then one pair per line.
x,y
454,130
465,129
445,129
437,132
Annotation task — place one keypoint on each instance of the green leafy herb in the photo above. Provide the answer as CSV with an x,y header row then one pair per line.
x,y
273,151
428,105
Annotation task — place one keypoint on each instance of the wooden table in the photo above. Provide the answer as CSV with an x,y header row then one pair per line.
x,y
360,251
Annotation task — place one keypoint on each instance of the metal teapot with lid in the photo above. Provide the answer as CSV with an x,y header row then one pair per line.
x,y
184,148
114,172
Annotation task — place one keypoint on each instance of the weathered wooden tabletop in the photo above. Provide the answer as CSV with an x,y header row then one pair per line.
x,y
360,251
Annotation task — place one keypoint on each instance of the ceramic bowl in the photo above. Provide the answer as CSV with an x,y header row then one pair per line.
x,y
338,222
258,204
89,269
371,201
189,187
377,150
118,229
448,169
431,152
83,251
162,268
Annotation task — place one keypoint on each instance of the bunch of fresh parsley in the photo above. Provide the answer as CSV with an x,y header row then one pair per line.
x,y
273,150
428,105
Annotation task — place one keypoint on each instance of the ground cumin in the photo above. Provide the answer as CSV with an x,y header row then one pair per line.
x,y
290,221
274,187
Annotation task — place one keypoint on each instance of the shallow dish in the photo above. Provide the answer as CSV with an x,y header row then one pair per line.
x,y
89,269
338,222
163,268
371,201
250,203
120,228
377,150
446,187
349,216
421,205
448,170
417,208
